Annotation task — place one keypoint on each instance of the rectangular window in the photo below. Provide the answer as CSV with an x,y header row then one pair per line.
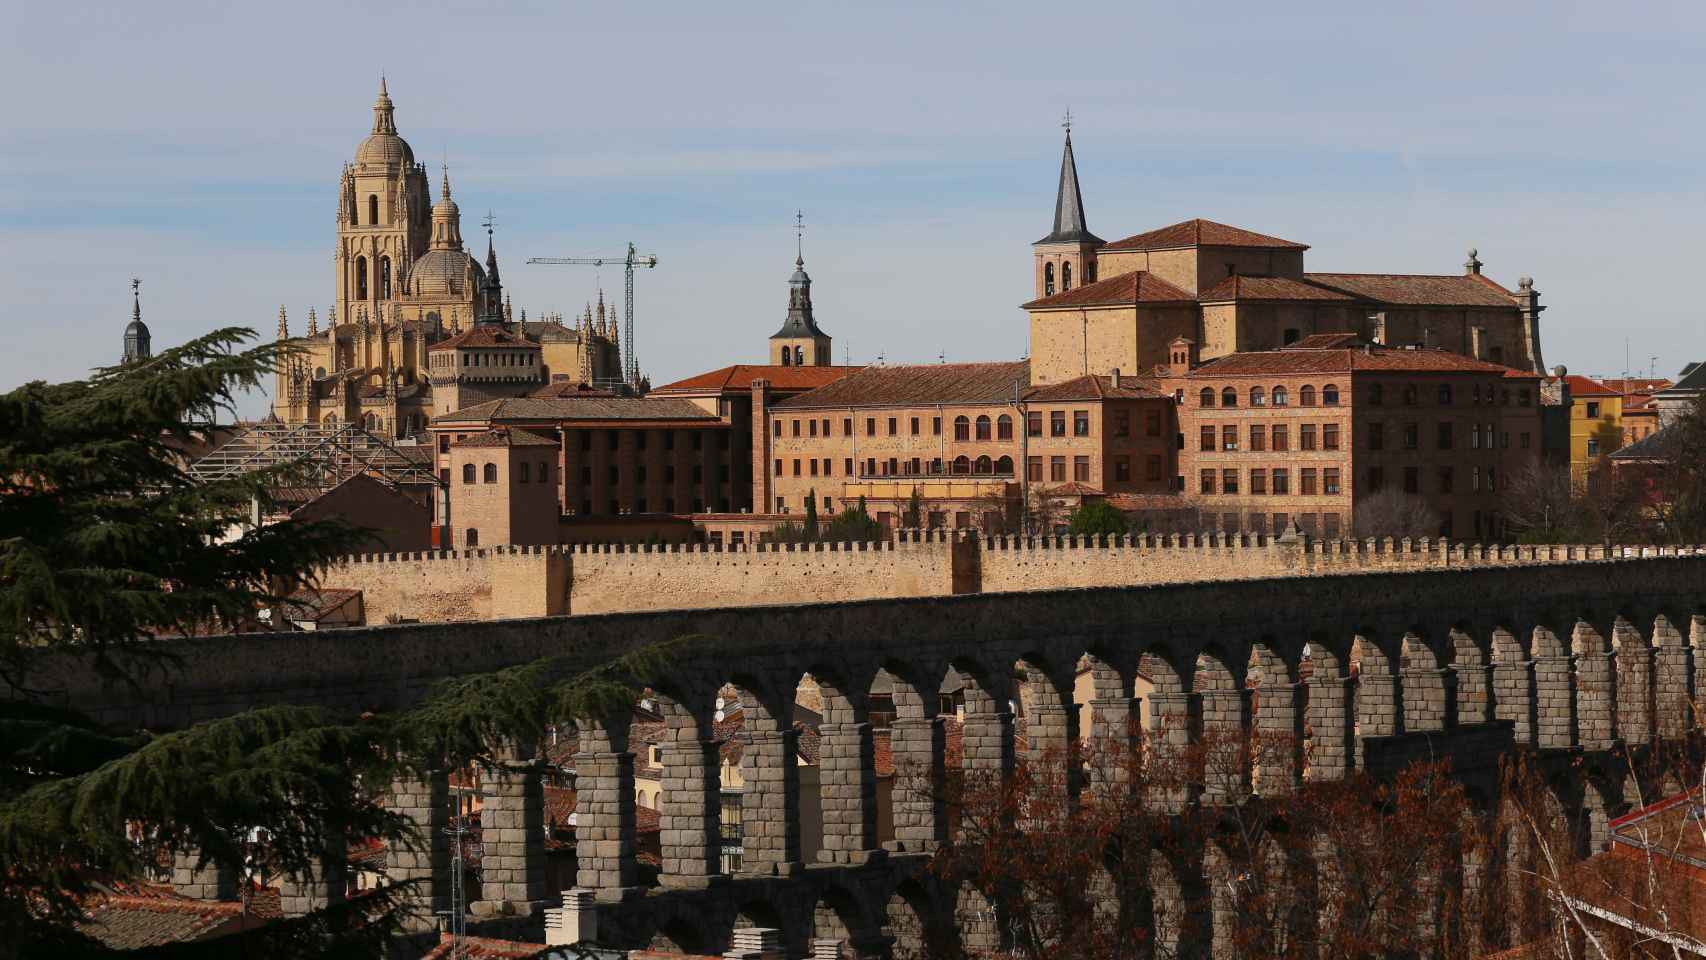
x,y
1282,485
1122,468
1229,437
1306,481
1057,469
1306,437
1330,481
1412,436
1593,447
1208,438
1152,424
870,426
1207,481
827,463
1377,436
1034,469
1445,479
915,426
1122,423
1258,437
935,426
1258,480
1081,423
1057,423
1081,469
1522,440
1412,479
847,466
826,426
781,504
1280,442
796,430
1442,436
1329,436
639,473
813,463
1152,468
796,468
1376,479
847,426
1330,526
1593,409
1033,424
812,427
892,426
870,466
1228,481
443,443
1310,522
1281,522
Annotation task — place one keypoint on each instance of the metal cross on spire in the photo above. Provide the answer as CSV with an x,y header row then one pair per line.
x,y
1066,121
799,235
489,222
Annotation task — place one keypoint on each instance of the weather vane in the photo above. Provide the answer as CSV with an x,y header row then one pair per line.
x,y
1067,120
799,234
489,222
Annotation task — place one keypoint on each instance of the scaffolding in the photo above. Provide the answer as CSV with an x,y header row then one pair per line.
x,y
315,455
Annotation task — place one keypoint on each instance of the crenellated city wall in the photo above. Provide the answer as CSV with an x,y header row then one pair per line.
x,y
509,582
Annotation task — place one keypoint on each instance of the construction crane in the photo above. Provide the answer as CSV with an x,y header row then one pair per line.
x,y
630,367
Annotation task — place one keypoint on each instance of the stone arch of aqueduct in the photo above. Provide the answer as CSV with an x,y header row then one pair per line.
x,y
1573,658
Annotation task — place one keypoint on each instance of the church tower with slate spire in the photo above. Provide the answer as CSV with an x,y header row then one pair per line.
x,y
1066,258
800,342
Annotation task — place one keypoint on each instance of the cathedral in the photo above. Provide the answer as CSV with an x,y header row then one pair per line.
x,y
419,326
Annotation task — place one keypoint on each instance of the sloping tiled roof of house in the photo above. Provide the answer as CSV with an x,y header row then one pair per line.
x,y
1241,286
570,388
918,384
1653,446
154,916
1349,360
505,437
576,408
1096,388
1202,233
1406,289
741,375
485,335
1584,387
1138,286
484,948
1635,386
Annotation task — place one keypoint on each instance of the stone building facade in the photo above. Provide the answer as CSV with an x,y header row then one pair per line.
x,y
1100,306
404,284
1310,433
503,488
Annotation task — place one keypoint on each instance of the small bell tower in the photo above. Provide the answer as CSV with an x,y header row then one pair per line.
x,y
800,342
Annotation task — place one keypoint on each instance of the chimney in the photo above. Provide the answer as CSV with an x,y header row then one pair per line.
x,y
1473,266
1116,378
576,921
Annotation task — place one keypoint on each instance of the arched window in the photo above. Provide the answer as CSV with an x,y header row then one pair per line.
x,y
1306,396
786,353
1004,466
467,473
1281,398
471,538
331,420
962,464
525,474
491,472
1229,397
1048,279
384,278
962,428
1330,395
370,422
1065,277
373,208
1258,398
361,278
983,465
1206,399
1004,427
983,427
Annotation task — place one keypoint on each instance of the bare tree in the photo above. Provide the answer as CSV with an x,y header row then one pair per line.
x,y
1539,505
1391,513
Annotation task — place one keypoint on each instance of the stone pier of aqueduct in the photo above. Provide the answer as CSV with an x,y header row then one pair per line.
x,y
1572,658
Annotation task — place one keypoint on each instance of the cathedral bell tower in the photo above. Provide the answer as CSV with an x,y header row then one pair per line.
x,y
384,220
800,342
1066,258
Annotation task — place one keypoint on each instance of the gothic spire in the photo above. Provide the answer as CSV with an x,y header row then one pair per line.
x,y
383,121
1069,225
313,326
283,324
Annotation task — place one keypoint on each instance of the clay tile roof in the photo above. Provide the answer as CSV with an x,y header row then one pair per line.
x,y
154,916
570,388
559,805
485,335
1456,290
505,437
1361,360
1074,488
1634,387
1202,233
482,948
647,820
741,375
1584,387
1143,502
310,604
1138,286
577,408
1096,388
1244,287
918,384
1326,341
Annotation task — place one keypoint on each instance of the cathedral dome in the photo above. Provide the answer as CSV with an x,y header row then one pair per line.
x,y
439,269
384,148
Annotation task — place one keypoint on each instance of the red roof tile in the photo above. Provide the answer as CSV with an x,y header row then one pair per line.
x,y
485,335
740,376
1584,387
505,437
570,388
1096,388
1360,360
1244,287
1202,233
1635,386
1138,286
1073,488
1455,290
153,916
917,385
481,948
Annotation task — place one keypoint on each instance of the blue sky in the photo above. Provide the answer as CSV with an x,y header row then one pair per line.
x,y
197,145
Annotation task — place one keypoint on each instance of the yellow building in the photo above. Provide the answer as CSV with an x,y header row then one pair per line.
x,y
1596,424
402,342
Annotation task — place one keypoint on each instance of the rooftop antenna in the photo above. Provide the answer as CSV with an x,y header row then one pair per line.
x,y
941,356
